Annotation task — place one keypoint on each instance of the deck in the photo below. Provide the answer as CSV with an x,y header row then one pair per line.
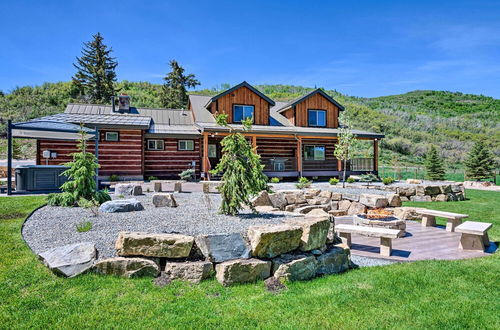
x,y
420,243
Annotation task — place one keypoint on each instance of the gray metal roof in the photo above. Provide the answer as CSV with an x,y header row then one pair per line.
x,y
173,129
53,126
95,119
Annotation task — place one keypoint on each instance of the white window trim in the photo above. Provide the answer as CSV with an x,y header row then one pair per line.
x,y
156,145
114,132
314,155
179,145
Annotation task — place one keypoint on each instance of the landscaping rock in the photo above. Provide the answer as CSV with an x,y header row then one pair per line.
x,y
164,199
336,196
413,181
351,197
404,199
427,190
407,191
278,200
294,267
193,271
441,198
456,188
356,208
337,213
445,189
242,271
394,200
311,193
314,201
334,205
121,205
70,260
420,198
128,189
344,205
156,186
407,213
153,245
274,285
295,197
178,186
223,247
374,201
268,241
325,196
127,267
308,208
267,209
317,213
332,261
262,199
314,231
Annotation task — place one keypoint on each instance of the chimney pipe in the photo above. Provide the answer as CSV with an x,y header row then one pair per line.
x,y
113,103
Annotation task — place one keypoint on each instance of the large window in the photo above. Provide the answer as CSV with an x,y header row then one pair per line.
x,y
186,145
156,145
241,112
314,152
317,118
112,136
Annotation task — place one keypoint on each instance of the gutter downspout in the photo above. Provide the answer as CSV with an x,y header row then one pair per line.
x,y
299,154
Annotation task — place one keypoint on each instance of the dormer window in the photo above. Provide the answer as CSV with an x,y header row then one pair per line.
x,y
316,118
241,112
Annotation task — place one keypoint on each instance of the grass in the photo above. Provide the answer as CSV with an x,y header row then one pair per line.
x,y
426,294
83,226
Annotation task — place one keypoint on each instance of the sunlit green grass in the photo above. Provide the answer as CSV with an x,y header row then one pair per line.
x,y
428,294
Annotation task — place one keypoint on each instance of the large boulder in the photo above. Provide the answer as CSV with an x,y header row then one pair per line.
x,y
294,267
262,199
308,208
128,189
317,213
455,188
127,267
374,201
445,189
356,208
427,190
441,198
191,271
153,245
223,247
413,181
121,205
164,199
268,241
311,193
336,196
295,197
325,196
334,260
242,271
394,200
337,213
406,191
420,198
314,231
70,260
278,200
407,213
344,205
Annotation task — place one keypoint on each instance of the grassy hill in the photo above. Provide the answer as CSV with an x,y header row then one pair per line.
x,y
410,121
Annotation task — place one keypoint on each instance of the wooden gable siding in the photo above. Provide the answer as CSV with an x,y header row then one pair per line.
x,y
298,116
242,96
170,161
123,157
330,162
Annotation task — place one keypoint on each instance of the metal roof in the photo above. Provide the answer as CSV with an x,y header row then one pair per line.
x,y
308,95
174,129
95,119
47,129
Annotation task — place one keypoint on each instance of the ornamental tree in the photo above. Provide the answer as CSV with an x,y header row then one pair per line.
x,y
346,143
242,171
434,164
480,162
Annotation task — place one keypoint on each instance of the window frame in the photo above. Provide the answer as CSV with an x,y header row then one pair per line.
x,y
179,145
314,146
215,150
309,111
156,141
243,105
112,132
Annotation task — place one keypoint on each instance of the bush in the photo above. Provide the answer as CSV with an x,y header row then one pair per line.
x,y
387,180
152,178
187,175
369,178
275,180
333,181
92,205
303,183
83,226
61,199
350,180
114,177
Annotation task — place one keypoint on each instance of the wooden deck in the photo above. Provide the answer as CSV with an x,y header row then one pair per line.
x,y
420,243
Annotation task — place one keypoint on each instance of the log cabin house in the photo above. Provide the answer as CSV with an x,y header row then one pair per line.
x,y
294,139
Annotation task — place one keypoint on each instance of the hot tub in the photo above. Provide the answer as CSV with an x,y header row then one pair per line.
x,y
39,178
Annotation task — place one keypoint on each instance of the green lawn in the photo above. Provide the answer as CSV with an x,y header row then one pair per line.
x,y
430,294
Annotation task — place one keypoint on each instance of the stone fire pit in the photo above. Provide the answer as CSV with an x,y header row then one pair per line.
x,y
381,220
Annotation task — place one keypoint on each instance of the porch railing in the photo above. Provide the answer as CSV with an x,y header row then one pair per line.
x,y
279,164
361,164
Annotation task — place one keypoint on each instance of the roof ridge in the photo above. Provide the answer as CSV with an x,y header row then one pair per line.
x,y
109,106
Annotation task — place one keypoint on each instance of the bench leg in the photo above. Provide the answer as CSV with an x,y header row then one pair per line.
x,y
428,221
452,223
346,238
471,242
486,240
385,246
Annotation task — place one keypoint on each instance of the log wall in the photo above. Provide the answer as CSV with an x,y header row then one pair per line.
x,y
330,162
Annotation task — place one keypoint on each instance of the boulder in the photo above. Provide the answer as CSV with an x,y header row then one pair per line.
x,y
420,198
441,198
295,197
413,181
153,245
290,208
445,189
407,213
334,205
294,267
427,190
121,205
267,209
456,188
128,189
351,197
268,241
407,191
70,260
333,261
337,213
317,213
404,199
356,208
394,200
325,196
191,271
178,186
451,197
223,247
308,208
164,199
374,201
262,199
336,196
311,193
344,205
314,201
242,271
460,196
156,186
314,231
278,200
127,267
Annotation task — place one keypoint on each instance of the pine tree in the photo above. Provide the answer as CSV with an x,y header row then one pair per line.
x,y
480,163
242,170
174,90
434,165
95,76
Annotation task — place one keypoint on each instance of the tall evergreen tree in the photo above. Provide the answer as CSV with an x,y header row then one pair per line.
x,y
434,164
95,76
174,91
480,163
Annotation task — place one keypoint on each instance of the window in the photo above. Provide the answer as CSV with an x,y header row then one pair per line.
x,y
314,152
212,151
156,145
317,118
241,112
112,136
186,145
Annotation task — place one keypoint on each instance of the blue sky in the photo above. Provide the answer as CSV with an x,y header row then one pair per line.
x,y
362,48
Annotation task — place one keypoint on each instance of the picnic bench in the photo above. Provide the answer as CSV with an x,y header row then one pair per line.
x,y
386,236
429,218
474,235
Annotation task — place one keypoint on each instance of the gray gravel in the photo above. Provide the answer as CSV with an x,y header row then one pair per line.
x,y
50,226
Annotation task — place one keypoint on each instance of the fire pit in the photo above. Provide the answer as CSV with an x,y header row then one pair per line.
x,y
380,218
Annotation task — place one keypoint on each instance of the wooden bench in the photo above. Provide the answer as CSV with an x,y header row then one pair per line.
x,y
474,235
429,218
386,235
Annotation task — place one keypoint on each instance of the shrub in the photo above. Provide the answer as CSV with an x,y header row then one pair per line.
x,y
387,180
102,196
83,226
92,205
370,177
114,177
187,175
151,178
120,196
303,183
333,181
62,199
350,180
275,180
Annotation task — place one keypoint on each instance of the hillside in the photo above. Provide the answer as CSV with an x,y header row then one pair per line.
x,y
410,121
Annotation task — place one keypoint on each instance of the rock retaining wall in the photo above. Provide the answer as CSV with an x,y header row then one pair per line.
x,y
428,192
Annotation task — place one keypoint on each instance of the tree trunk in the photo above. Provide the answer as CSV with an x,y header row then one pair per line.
x,y
343,181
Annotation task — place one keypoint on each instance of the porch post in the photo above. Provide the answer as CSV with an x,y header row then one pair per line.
x,y
9,157
375,155
204,163
299,155
254,142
